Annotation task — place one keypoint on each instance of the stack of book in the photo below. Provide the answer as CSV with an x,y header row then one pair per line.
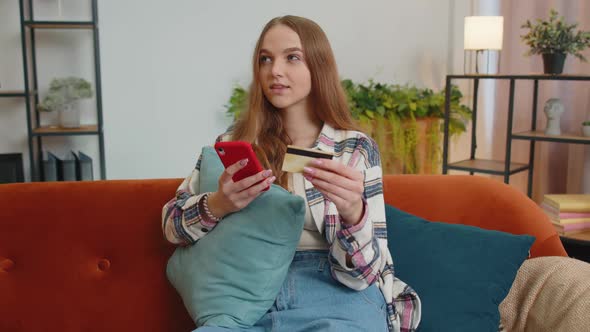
x,y
569,213
72,167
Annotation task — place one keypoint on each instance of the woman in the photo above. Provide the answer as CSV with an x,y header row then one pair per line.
x,y
296,99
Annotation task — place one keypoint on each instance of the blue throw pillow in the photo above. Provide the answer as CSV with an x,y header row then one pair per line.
x,y
461,273
231,277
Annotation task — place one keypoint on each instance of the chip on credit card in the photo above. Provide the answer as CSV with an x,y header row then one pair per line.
x,y
296,158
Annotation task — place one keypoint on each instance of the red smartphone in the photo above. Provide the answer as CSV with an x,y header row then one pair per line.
x,y
233,151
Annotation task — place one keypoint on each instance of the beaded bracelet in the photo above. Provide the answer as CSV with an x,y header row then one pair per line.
x,y
208,213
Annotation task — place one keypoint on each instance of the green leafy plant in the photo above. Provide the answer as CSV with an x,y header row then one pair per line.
x,y
405,102
586,123
404,120
63,91
237,101
555,36
382,100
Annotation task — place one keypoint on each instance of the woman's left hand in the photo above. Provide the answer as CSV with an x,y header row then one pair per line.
x,y
341,184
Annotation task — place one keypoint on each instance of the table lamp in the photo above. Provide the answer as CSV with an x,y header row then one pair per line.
x,y
482,33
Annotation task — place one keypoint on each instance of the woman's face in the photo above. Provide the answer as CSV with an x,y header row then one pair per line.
x,y
285,78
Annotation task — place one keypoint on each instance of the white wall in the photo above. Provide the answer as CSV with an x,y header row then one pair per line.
x,y
168,70
13,125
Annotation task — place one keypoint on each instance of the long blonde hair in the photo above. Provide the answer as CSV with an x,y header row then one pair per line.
x,y
262,123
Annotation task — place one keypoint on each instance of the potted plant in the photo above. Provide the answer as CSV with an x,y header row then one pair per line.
x,y
405,121
63,95
554,39
586,128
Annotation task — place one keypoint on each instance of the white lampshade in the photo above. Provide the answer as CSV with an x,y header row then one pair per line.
x,y
483,32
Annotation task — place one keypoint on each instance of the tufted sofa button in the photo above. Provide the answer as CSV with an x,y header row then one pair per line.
x,y
104,264
6,264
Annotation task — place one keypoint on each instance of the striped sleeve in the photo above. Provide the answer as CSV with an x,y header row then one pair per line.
x,y
361,241
182,222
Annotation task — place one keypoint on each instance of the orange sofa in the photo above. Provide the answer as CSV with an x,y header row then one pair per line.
x,y
90,256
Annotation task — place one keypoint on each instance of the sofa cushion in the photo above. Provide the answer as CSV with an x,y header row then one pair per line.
x,y
461,273
231,277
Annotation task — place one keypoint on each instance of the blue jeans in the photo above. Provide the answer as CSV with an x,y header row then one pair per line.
x,y
311,300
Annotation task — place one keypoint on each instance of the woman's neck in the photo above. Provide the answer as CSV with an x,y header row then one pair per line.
x,y
302,125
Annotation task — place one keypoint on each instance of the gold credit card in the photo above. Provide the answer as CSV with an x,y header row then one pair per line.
x,y
296,158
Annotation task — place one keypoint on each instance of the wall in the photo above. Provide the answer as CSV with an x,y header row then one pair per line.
x,y
168,70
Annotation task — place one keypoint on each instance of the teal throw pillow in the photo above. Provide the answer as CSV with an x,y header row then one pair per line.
x,y
460,272
231,277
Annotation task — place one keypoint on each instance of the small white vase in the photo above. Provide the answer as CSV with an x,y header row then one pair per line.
x,y
69,115
586,131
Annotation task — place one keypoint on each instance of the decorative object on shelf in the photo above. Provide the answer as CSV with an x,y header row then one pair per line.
x,y
586,128
554,40
64,95
553,110
69,115
404,120
482,33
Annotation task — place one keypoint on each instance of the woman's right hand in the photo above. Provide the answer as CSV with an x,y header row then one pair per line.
x,y
233,196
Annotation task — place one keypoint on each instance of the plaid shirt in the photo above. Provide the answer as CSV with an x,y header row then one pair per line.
x,y
365,242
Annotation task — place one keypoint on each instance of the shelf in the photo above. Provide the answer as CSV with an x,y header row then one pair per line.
x,y
36,132
541,136
15,93
59,24
565,77
499,167
8,94
58,131
495,167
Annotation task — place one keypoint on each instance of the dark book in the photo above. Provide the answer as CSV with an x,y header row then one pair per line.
x,y
83,167
49,171
66,167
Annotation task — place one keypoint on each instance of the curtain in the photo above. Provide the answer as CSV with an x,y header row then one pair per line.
x,y
558,167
